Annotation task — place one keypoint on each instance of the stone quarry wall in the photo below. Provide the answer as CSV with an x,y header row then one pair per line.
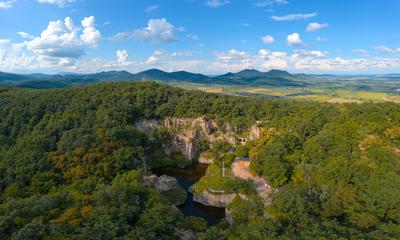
x,y
188,132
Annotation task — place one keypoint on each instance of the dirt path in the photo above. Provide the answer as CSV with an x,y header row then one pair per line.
x,y
261,186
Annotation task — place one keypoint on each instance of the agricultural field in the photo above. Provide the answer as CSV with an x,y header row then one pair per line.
x,y
343,94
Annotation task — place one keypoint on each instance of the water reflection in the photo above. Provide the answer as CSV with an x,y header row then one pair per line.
x,y
187,177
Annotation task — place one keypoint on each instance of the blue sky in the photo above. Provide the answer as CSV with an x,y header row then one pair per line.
x,y
207,36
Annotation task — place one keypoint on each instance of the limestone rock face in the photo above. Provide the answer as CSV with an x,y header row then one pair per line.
x,y
187,133
214,200
254,132
147,125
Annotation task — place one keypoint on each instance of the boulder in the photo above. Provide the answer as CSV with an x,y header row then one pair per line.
x,y
214,200
166,183
168,186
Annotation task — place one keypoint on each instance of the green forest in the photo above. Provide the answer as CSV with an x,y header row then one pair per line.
x,y
71,165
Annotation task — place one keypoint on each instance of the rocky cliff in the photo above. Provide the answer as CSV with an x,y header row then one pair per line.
x,y
188,133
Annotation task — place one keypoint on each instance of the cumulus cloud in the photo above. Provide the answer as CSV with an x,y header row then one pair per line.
x,y
61,39
157,31
59,3
271,60
299,60
90,35
216,3
232,60
6,4
122,56
155,58
231,55
314,26
294,39
291,17
267,39
388,50
302,54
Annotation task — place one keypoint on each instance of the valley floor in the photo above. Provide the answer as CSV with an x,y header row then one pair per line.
x,y
316,94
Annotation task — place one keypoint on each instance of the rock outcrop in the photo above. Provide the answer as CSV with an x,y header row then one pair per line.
x,y
229,216
255,132
214,200
204,159
260,185
168,186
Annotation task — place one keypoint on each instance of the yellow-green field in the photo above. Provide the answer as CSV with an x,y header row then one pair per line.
x,y
300,94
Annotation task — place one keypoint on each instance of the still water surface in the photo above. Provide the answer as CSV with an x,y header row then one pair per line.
x,y
187,177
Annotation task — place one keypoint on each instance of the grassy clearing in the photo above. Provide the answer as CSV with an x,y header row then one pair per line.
x,y
215,181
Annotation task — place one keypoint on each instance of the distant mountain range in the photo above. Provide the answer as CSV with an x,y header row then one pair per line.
x,y
249,77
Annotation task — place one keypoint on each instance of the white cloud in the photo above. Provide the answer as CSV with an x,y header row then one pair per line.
x,y
232,60
155,58
267,39
294,39
270,3
60,3
235,60
361,52
302,54
292,17
151,8
122,36
231,55
25,35
61,39
122,56
90,35
347,65
216,3
388,50
271,60
157,30
314,26
6,4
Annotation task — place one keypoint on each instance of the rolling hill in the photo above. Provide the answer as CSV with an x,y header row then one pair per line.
x,y
249,77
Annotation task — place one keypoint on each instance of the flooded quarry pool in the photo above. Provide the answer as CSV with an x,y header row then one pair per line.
x,y
187,177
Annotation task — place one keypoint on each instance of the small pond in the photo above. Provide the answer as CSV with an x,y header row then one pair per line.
x,y
187,177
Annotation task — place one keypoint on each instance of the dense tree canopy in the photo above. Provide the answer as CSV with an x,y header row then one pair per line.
x,y
71,164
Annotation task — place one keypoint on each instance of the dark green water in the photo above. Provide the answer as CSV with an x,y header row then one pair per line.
x,y
187,177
